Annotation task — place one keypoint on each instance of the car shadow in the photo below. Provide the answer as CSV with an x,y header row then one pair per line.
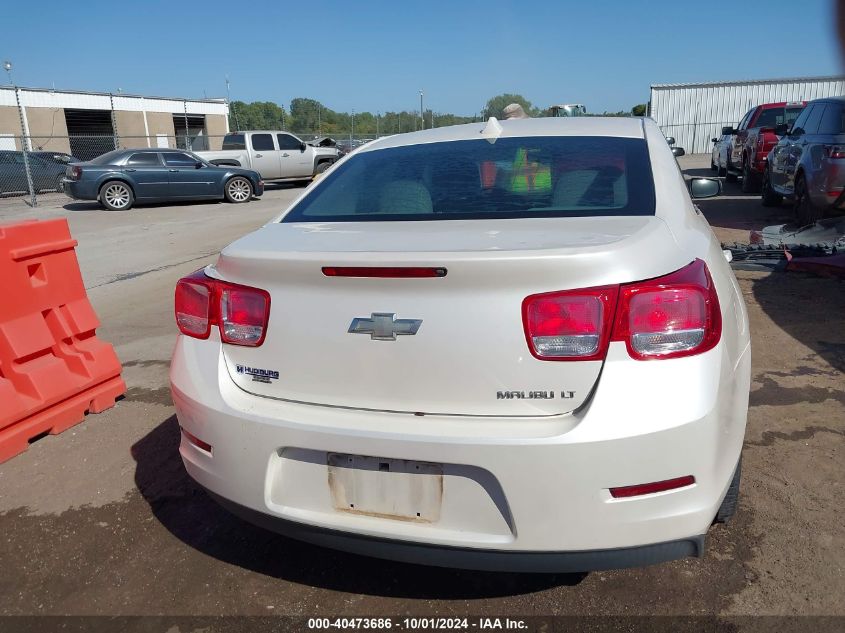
x,y
193,517
811,310
96,206
279,186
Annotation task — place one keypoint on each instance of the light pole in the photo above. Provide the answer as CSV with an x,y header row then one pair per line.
x,y
25,143
422,117
352,133
231,107
378,116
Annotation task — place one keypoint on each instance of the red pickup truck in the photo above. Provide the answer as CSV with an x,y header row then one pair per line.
x,y
753,138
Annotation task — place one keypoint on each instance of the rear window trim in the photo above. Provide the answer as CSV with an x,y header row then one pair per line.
x,y
436,217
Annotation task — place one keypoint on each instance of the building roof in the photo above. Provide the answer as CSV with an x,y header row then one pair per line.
x,y
746,82
107,94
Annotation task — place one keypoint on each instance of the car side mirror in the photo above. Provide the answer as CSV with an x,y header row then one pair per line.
x,y
704,188
302,146
678,151
781,129
728,130
670,140
714,140
198,165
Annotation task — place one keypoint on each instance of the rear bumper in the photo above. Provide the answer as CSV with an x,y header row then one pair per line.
x,y
513,490
472,558
80,190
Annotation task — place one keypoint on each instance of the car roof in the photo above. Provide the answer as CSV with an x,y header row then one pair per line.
x,y
828,100
780,104
628,127
165,150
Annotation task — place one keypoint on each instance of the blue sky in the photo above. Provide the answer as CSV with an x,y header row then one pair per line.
x,y
377,55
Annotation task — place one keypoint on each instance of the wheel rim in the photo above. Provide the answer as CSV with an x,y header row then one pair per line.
x,y
239,190
117,196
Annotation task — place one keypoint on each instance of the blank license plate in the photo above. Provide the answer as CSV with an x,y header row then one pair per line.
x,y
389,488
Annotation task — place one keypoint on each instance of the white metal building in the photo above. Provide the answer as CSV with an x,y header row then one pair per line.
x,y
695,113
67,120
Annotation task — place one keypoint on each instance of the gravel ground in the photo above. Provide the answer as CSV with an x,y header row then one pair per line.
x,y
103,520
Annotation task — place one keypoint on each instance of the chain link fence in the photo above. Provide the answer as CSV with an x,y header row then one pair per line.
x,y
32,168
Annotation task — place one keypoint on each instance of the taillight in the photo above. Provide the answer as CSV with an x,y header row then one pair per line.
x,y
387,272
75,172
648,489
240,312
835,151
668,317
569,325
193,305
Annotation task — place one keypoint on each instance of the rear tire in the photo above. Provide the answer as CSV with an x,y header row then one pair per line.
x,y
749,178
806,213
768,196
729,503
60,184
116,196
729,175
322,167
238,190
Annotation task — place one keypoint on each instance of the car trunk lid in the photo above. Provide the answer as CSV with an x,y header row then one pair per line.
x,y
468,354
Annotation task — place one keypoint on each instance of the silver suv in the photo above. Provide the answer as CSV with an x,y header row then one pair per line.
x,y
807,166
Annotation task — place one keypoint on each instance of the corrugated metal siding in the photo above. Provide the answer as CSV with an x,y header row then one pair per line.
x,y
694,114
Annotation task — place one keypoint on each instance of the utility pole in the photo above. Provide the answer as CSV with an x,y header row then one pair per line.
x,y
378,116
352,133
185,113
422,116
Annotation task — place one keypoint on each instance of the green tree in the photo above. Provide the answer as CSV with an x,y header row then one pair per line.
x,y
640,109
496,104
258,115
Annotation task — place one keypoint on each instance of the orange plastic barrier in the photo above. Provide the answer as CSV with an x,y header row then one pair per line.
x,y
53,369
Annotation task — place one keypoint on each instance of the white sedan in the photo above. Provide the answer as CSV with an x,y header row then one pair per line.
x,y
507,345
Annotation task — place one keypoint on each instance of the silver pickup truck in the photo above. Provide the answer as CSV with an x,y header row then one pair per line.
x,y
276,155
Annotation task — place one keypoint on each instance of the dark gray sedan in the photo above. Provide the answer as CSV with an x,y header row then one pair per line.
x,y
123,177
46,175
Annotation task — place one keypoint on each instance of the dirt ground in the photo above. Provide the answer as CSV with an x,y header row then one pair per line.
x,y
103,520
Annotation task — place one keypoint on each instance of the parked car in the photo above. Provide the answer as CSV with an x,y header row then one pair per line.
x,y
719,154
753,138
46,175
56,157
511,345
275,155
123,177
807,165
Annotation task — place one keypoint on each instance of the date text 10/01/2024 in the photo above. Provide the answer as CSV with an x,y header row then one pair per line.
x,y
418,624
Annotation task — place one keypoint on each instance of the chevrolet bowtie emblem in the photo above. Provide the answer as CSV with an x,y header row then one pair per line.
x,y
384,326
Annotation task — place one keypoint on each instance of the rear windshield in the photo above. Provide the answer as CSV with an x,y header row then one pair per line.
x,y
234,141
109,158
833,119
575,176
775,116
